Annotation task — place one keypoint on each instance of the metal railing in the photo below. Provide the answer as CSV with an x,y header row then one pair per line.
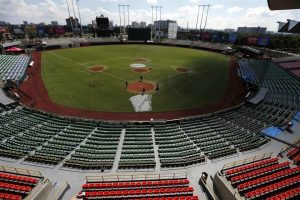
x,y
20,171
246,161
137,177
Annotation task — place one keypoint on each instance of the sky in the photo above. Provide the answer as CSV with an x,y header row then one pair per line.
x,y
222,14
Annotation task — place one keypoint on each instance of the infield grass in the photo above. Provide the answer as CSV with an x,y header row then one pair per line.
x,y
69,81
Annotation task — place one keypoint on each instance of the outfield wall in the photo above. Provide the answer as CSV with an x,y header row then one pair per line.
x,y
85,44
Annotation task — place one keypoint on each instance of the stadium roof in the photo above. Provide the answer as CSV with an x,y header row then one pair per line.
x,y
283,4
294,26
291,26
283,27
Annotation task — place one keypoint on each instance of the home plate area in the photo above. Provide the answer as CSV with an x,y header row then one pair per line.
x,y
141,102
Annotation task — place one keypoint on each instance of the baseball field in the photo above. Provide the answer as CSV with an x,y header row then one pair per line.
x,y
94,78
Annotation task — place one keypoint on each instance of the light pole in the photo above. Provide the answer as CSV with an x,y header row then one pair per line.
x,y
160,7
201,16
128,14
120,19
152,24
70,15
76,25
198,17
79,17
206,17
124,19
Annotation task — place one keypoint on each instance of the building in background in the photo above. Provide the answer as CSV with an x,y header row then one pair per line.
x,y
252,30
229,30
172,30
25,23
163,24
143,24
54,23
111,24
135,25
165,28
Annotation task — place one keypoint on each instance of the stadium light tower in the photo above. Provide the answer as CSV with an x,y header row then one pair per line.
x,y
128,14
201,16
206,17
79,17
156,12
198,17
69,15
152,24
120,18
76,25
124,19
160,7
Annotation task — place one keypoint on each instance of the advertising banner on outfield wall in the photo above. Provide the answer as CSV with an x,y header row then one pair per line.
x,y
49,31
59,30
206,36
232,38
263,41
41,31
31,31
252,41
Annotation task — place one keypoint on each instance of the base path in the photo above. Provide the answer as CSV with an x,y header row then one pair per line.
x,y
34,86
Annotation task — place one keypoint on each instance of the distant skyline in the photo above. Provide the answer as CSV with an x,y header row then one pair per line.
x,y
223,13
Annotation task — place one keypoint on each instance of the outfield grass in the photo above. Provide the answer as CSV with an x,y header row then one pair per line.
x,y
69,81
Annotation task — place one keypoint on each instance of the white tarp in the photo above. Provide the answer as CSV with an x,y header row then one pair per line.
x,y
4,100
141,102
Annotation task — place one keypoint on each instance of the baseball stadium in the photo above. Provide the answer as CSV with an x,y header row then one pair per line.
x,y
133,113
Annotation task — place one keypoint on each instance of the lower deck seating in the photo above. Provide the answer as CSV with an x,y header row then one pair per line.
x,y
294,155
137,189
269,178
16,186
10,196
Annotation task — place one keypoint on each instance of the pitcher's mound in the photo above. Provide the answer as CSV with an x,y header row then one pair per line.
x,y
137,87
97,69
142,70
183,69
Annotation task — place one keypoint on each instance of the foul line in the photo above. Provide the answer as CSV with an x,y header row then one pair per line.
x,y
84,65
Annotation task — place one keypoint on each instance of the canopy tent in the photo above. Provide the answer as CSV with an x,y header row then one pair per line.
x,y
14,49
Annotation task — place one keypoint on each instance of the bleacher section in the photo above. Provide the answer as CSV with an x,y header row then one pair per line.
x,y
137,151
260,178
197,44
296,72
282,99
62,144
99,150
139,187
13,67
218,137
176,149
17,184
294,155
290,65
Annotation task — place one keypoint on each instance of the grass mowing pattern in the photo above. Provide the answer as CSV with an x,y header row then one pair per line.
x,y
69,81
